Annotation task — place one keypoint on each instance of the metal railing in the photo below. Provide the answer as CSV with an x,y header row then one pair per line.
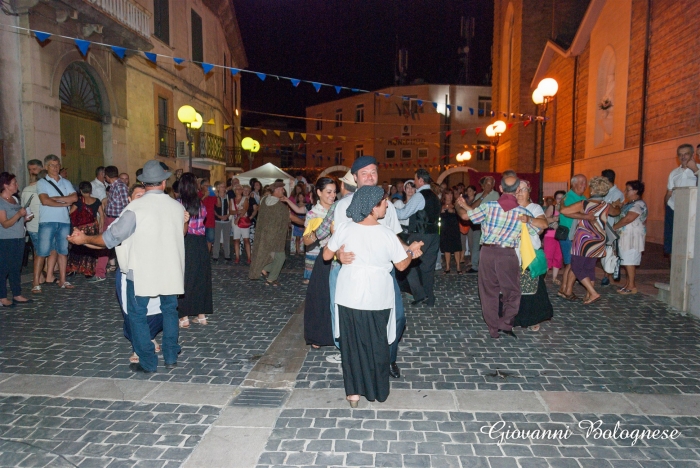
x,y
210,146
233,156
127,12
166,141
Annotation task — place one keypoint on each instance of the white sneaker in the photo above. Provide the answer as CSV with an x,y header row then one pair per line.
x,y
334,359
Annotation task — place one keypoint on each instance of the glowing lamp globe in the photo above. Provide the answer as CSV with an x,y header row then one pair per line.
x,y
197,122
490,132
466,156
186,114
247,143
499,127
548,87
537,96
256,146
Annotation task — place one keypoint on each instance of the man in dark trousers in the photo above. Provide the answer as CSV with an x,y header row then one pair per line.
x,y
422,212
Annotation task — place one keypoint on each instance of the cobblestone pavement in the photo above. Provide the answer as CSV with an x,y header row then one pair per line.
x,y
620,344
344,437
79,332
96,413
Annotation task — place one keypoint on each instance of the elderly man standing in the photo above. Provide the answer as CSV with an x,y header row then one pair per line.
x,y
99,186
488,194
150,246
34,167
682,176
574,195
423,212
500,269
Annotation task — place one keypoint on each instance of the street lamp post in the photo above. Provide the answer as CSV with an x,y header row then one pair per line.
x,y
191,119
494,132
543,95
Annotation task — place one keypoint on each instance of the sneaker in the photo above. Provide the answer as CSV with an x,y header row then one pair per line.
x,y
605,281
96,279
334,359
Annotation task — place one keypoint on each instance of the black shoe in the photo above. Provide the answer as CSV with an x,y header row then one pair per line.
x,y
472,270
418,301
509,333
171,366
394,370
214,260
430,302
227,259
138,369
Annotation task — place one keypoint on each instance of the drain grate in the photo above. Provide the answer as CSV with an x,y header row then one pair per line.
x,y
261,397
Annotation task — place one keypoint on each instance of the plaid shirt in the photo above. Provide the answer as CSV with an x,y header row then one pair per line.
x,y
498,226
117,199
324,230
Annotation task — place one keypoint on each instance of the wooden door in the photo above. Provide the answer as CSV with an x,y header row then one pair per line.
x,y
81,159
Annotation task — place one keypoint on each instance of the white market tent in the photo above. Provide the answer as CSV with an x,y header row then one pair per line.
x,y
267,174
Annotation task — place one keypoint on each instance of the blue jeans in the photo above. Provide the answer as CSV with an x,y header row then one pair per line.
x,y
53,236
400,318
137,307
565,251
668,230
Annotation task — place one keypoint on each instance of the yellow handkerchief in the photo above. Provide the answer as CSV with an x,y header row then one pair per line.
x,y
527,251
312,226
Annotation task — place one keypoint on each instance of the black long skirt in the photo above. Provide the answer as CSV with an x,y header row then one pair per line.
x,y
318,327
365,352
534,308
198,297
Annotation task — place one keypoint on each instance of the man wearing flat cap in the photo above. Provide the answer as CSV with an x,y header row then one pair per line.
x,y
500,268
149,242
364,171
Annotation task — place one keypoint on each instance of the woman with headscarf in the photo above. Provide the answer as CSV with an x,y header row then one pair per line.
x,y
364,296
588,244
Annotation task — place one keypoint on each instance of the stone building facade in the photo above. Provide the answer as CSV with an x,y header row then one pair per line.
x,y
99,109
625,70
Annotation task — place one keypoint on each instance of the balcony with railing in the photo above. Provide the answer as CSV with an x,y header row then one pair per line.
x,y
233,156
167,146
127,12
209,148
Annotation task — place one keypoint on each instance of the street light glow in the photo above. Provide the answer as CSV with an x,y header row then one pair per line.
x,y
197,123
186,114
548,87
537,96
499,127
247,143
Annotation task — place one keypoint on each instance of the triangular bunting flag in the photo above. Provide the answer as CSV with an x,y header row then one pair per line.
x,y
246,128
206,67
150,56
493,113
526,123
317,86
471,111
420,102
345,138
337,89
119,51
295,82
234,71
330,137
303,135
277,132
448,133
42,36
478,129
463,131
504,115
291,135
318,137
481,112
264,131
434,104
449,107
83,46
509,125
262,76
179,61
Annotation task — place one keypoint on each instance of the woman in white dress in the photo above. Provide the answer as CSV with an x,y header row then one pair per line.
x,y
364,296
633,230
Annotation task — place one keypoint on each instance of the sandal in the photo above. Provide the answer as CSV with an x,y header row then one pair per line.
x,y
134,359
447,272
199,321
626,291
353,402
571,297
591,301
557,282
157,346
272,283
184,322
535,327
36,290
305,281
67,285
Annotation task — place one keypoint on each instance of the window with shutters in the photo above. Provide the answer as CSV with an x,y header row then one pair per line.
x,y
197,39
161,20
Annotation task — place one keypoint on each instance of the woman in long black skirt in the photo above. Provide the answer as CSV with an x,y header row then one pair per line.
x,y
318,328
197,300
364,294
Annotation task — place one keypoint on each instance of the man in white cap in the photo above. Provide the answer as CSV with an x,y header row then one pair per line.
x,y
150,247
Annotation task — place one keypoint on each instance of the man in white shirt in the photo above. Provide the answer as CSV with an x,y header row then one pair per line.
x,y
99,186
682,176
614,195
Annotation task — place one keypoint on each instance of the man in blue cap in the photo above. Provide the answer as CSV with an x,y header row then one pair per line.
x,y
364,171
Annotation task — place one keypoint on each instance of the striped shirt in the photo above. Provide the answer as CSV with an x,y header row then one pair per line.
x,y
498,226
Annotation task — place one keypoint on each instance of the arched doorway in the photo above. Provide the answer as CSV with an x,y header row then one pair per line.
x,y
81,123
463,169
333,169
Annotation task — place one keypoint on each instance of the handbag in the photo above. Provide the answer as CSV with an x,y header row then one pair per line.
x,y
243,222
562,233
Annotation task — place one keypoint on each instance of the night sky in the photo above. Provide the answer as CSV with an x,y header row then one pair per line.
x,y
353,43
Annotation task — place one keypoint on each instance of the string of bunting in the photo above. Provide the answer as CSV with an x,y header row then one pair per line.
x,y
207,67
386,166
